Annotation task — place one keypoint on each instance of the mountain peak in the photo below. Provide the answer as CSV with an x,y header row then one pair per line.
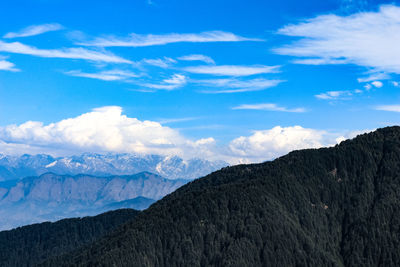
x,y
14,167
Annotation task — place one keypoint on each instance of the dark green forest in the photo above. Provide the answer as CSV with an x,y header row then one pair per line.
x,y
30,245
337,206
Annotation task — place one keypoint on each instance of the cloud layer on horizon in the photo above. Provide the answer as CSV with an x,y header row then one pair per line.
x,y
106,129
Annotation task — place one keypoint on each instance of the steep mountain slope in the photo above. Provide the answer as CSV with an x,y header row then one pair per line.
x,y
29,245
52,197
328,207
17,167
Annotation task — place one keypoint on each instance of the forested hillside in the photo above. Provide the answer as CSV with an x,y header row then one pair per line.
x,y
327,207
29,245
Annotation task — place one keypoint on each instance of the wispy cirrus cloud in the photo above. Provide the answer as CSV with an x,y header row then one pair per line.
x,y
269,107
109,75
197,57
365,39
176,120
8,66
70,53
174,82
165,62
232,70
392,108
34,30
374,77
139,40
335,95
235,85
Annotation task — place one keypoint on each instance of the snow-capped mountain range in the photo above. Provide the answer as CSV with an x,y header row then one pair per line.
x,y
52,197
173,167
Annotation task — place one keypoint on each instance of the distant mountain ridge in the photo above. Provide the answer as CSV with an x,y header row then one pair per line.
x,y
172,167
51,197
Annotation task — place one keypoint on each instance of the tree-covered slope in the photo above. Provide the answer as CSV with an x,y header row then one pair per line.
x,y
335,206
29,245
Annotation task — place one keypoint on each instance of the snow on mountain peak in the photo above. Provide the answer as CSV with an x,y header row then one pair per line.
x,y
171,167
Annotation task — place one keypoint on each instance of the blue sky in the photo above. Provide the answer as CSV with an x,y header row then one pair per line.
x,y
232,80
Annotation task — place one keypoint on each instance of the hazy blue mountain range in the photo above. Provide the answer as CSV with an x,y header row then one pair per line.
x,y
17,167
51,197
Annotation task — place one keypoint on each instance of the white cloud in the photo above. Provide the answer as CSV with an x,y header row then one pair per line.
x,y
269,144
140,40
395,84
270,107
6,65
34,30
110,75
351,134
106,129
103,130
176,81
232,70
203,58
334,95
365,39
367,87
319,61
374,77
392,108
165,62
174,120
377,84
71,53
236,86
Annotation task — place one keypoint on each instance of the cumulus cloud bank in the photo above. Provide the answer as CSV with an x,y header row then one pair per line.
x,y
102,129
106,129
268,144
